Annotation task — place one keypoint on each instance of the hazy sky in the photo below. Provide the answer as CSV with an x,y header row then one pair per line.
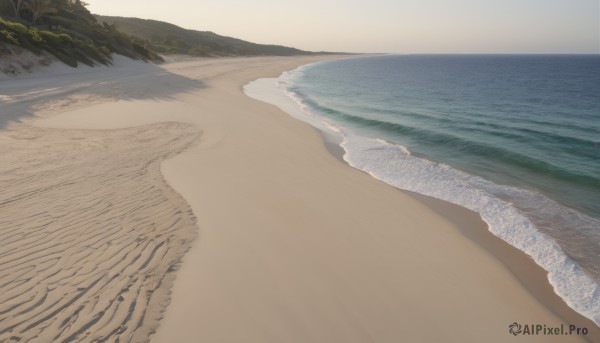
x,y
394,26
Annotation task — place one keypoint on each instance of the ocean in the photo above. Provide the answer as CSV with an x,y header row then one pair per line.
x,y
515,138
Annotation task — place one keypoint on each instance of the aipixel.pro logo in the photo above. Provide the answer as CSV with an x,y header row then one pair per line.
x,y
516,329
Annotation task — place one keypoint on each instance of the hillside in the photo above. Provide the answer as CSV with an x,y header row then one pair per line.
x,y
36,32
64,29
167,38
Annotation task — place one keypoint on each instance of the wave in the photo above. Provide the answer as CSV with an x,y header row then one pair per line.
x,y
461,144
389,163
498,205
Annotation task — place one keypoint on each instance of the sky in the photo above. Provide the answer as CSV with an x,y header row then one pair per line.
x,y
386,26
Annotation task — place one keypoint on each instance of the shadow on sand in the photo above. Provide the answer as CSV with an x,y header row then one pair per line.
x,y
23,96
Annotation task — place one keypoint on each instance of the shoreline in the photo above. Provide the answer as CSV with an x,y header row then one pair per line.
x,y
295,246
532,276
523,258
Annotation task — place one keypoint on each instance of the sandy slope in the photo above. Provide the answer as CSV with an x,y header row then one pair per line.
x,y
294,245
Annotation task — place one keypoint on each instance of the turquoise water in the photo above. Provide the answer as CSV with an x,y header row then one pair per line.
x,y
515,138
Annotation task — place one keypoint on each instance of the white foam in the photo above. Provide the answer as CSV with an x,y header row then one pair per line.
x,y
394,164
274,91
391,164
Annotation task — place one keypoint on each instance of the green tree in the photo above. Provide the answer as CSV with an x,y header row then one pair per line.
x,y
16,5
40,8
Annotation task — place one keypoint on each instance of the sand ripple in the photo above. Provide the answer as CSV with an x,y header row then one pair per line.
x,y
90,232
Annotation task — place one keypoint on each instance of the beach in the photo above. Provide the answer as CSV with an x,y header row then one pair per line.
x,y
285,242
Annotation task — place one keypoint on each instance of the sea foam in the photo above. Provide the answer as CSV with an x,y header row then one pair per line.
x,y
395,165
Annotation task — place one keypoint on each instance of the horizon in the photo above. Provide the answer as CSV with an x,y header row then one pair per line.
x,y
385,26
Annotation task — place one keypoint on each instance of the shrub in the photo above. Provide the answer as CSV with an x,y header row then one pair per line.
x,y
65,37
68,60
34,34
13,26
105,50
9,37
50,37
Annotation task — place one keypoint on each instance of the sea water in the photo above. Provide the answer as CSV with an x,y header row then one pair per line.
x,y
515,138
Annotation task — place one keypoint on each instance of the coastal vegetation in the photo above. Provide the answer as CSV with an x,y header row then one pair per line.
x,y
167,38
66,30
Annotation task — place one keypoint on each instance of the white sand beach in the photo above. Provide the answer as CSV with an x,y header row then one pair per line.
x,y
109,175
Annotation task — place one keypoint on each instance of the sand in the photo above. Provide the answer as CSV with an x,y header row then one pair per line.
x,y
90,231
293,244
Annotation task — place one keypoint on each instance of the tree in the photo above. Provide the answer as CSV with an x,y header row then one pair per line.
x,y
16,5
77,3
40,8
